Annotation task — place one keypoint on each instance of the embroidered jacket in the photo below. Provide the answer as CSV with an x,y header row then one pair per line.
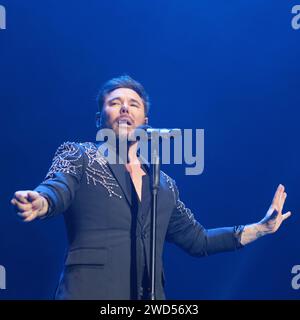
x,y
107,243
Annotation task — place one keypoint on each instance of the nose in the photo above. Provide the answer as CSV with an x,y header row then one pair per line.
x,y
124,108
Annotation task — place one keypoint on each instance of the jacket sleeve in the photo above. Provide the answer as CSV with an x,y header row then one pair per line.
x,y
63,178
186,232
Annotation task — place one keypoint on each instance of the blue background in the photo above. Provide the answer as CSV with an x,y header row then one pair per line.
x,y
230,67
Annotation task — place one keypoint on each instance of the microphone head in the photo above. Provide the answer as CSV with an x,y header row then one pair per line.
x,y
161,132
144,127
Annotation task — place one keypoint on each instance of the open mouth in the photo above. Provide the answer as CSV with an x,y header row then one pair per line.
x,y
124,122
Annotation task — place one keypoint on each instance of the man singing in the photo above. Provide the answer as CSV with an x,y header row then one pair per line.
x,y
107,208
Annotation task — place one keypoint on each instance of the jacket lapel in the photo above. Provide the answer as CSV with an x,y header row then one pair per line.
x,y
121,175
118,170
123,178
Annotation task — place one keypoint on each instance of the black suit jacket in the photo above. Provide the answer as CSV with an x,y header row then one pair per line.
x,y
108,243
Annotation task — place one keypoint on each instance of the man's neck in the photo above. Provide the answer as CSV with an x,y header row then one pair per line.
x,y
132,156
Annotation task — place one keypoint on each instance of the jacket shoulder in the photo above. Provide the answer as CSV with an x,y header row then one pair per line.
x,y
79,148
68,148
67,159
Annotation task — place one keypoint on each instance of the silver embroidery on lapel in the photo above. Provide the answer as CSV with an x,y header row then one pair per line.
x,y
64,160
101,175
180,206
169,181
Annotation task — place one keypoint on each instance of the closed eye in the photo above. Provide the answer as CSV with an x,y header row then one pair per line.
x,y
115,104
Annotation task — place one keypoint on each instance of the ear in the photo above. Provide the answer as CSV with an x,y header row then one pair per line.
x,y
146,120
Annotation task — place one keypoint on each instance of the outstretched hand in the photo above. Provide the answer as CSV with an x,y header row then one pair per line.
x,y
271,222
274,217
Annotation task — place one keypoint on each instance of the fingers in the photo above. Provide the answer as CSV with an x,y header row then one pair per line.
x,y
21,196
278,191
279,198
32,195
31,217
26,196
282,200
28,216
25,214
26,204
20,206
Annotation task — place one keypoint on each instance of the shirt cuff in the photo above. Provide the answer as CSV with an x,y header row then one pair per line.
x,y
237,233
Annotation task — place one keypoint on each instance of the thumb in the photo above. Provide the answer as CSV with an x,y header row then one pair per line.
x,y
286,215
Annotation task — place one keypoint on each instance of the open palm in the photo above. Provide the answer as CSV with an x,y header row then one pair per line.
x,y
274,217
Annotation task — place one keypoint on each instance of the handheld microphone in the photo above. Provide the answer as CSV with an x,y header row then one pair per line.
x,y
161,132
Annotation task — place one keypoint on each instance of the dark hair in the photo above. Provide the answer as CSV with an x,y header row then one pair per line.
x,y
124,81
